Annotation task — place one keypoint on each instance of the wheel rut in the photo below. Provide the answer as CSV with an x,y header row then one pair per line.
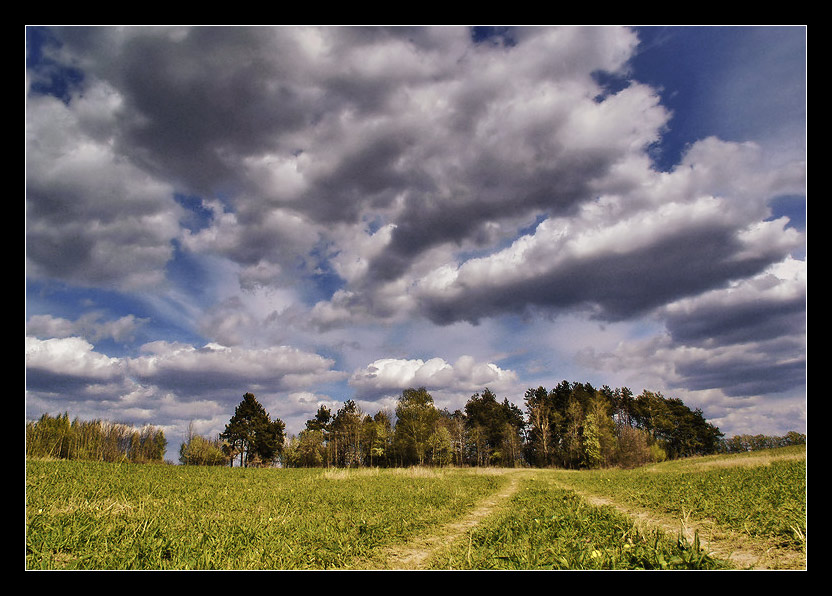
x,y
742,551
418,552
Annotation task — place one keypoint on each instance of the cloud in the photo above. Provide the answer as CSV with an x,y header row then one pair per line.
x,y
72,369
92,218
747,339
70,361
399,196
390,376
299,128
192,371
89,326
766,306
373,151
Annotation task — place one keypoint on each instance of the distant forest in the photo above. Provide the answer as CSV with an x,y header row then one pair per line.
x,y
573,425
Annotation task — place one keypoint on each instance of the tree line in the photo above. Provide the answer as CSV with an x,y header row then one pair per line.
x,y
98,440
745,442
573,425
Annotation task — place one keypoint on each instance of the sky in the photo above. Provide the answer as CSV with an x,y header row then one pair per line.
x,y
318,214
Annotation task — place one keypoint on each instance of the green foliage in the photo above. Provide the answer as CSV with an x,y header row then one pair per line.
x,y
575,425
744,442
201,451
592,443
252,434
345,433
97,440
416,416
495,427
572,426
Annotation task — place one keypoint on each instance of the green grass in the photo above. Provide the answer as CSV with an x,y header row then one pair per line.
x,y
548,527
89,515
759,494
83,515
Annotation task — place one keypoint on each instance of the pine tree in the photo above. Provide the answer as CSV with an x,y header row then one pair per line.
x,y
253,434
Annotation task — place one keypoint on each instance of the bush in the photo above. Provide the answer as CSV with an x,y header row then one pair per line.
x,y
200,451
633,447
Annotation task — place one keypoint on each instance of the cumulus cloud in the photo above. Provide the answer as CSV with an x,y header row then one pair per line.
x,y
92,218
389,376
745,340
766,306
72,369
380,150
297,128
68,364
284,185
191,370
621,256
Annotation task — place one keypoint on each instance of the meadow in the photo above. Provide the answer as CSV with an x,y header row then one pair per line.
x,y
96,515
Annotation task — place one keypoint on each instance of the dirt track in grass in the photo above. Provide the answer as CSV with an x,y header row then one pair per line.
x,y
742,551
416,553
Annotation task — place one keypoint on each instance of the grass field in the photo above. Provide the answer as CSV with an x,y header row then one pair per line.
x,y
82,515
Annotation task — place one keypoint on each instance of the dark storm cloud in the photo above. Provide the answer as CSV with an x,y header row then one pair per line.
x,y
199,100
451,136
741,377
195,100
755,321
494,191
612,285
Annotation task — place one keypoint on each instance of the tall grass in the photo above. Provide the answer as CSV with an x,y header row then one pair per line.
x,y
87,515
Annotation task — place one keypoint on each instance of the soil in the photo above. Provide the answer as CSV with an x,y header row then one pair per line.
x,y
415,554
744,552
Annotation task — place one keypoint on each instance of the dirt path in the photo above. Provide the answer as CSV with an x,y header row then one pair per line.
x,y
415,554
743,551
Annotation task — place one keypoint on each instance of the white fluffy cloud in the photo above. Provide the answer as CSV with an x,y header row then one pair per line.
x,y
72,358
389,376
192,370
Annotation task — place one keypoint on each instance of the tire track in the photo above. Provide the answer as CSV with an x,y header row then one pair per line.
x,y
416,553
744,552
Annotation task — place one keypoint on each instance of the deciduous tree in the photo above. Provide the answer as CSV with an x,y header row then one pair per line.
x,y
416,417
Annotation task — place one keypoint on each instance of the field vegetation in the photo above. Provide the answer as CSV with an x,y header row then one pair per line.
x,y
93,515
585,479
759,494
101,515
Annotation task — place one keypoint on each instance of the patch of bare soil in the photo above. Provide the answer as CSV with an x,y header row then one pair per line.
x,y
742,551
415,554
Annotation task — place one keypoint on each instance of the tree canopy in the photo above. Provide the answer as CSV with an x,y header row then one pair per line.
x,y
252,434
573,425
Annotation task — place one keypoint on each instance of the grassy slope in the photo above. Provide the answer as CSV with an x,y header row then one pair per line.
x,y
110,516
